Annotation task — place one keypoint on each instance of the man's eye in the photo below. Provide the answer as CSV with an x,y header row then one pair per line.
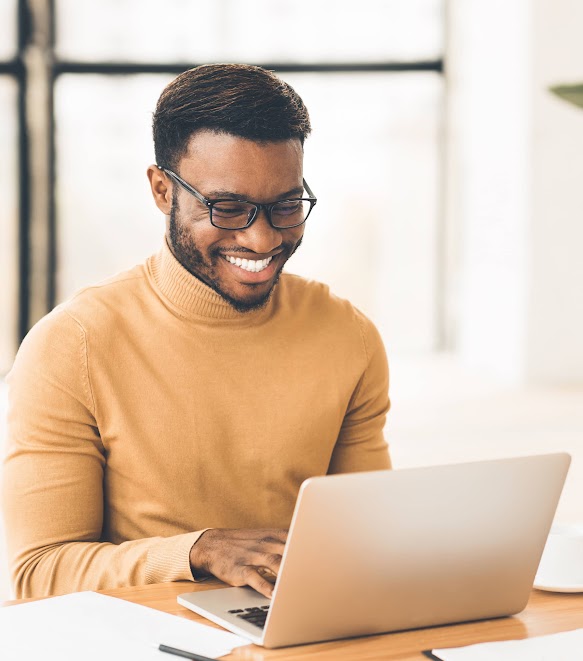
x,y
287,208
230,209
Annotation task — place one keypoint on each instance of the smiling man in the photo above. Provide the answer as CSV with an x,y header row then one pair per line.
x,y
162,422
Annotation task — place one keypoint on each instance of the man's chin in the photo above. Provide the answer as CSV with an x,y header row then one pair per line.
x,y
244,296
245,301
247,304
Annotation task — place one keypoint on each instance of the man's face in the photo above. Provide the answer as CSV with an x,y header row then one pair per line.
x,y
224,166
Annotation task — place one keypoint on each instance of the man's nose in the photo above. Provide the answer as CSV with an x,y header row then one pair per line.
x,y
260,237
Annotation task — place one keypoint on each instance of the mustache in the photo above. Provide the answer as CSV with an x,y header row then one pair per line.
x,y
285,248
240,249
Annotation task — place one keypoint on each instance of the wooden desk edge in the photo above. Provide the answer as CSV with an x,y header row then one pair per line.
x,y
545,613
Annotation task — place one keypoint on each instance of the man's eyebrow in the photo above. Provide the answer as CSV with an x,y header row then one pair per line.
x,y
220,194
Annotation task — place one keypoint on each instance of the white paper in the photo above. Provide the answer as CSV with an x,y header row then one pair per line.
x,y
565,646
95,627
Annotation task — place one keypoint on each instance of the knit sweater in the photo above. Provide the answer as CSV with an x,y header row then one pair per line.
x,y
146,410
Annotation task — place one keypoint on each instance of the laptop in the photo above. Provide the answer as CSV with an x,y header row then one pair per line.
x,y
383,551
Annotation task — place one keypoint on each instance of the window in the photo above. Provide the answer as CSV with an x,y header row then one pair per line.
x,y
8,21
255,31
371,76
9,263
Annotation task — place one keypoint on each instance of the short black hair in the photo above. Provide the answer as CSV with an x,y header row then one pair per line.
x,y
238,99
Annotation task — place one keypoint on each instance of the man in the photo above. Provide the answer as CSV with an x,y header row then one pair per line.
x,y
162,422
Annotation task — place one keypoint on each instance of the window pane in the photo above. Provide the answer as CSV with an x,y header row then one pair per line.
x,y
373,163
9,223
250,30
106,218
8,29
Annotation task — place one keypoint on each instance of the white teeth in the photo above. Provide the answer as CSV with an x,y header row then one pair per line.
x,y
251,265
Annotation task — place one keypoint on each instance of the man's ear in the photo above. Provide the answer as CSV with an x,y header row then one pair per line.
x,y
161,189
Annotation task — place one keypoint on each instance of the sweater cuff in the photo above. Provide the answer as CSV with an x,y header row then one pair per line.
x,y
169,559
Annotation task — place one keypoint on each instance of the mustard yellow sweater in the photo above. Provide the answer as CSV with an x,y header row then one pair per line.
x,y
146,410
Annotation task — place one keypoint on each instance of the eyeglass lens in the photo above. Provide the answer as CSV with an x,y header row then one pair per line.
x,y
234,214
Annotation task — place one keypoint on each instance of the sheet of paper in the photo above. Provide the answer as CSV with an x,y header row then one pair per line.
x,y
94,627
565,646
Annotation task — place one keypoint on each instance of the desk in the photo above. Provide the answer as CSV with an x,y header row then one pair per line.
x,y
545,613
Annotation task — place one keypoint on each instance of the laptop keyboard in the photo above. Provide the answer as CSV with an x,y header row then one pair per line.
x,y
256,615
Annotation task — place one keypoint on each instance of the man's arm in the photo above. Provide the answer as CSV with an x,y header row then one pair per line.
x,y
361,445
53,496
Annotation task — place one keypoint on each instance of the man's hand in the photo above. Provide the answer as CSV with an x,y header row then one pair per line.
x,y
240,556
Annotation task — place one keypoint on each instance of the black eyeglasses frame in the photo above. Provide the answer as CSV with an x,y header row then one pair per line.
x,y
209,203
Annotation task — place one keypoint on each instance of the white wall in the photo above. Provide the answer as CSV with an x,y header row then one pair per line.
x,y
555,340
514,171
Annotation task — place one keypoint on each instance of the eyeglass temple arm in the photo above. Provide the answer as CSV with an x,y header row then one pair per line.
x,y
203,199
186,185
309,190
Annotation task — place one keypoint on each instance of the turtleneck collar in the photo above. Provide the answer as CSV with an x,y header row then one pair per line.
x,y
190,297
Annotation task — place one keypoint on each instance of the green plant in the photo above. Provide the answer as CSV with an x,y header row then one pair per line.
x,y
571,93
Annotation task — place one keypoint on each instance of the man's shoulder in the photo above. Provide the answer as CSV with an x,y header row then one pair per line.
x,y
331,321
109,296
91,306
96,311
317,299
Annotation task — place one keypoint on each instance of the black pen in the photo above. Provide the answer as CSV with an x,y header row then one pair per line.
x,y
186,655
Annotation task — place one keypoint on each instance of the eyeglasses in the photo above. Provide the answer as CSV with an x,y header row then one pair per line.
x,y
236,214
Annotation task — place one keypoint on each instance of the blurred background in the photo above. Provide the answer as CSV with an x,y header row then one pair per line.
x,y
448,179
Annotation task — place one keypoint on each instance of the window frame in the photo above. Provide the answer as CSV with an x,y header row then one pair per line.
x,y
36,65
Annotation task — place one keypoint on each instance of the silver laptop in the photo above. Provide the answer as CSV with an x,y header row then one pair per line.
x,y
385,551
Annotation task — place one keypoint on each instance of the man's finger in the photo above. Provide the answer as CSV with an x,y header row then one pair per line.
x,y
268,548
271,561
254,579
267,574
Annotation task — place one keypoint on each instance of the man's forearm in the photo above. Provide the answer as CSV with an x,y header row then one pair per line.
x,y
75,566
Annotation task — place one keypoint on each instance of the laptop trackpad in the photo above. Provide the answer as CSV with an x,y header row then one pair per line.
x,y
241,607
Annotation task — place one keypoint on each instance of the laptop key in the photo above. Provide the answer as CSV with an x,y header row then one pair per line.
x,y
236,610
256,618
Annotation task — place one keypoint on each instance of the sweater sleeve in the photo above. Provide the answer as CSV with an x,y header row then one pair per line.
x,y
53,496
361,445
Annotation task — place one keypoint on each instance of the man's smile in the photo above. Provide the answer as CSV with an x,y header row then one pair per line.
x,y
252,271
254,266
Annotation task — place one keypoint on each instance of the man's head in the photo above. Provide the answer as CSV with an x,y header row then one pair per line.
x,y
233,132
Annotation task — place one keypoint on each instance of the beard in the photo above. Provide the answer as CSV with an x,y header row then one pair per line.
x,y
205,267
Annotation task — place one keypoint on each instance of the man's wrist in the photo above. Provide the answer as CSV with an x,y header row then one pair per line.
x,y
197,559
